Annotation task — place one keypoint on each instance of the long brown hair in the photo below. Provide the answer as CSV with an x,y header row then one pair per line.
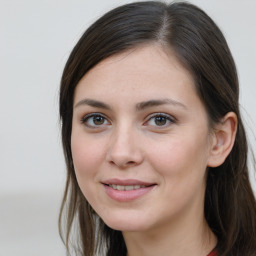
x,y
230,207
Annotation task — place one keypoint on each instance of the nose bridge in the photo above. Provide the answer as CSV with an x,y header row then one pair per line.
x,y
124,149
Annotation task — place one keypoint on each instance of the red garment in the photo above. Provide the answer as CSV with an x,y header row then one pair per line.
x,y
213,253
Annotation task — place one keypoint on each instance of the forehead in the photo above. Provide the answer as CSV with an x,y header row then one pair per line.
x,y
146,57
142,71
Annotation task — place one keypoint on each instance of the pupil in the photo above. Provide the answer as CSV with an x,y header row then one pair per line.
x,y
160,120
98,120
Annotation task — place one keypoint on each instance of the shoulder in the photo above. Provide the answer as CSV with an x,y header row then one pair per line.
x,y
213,253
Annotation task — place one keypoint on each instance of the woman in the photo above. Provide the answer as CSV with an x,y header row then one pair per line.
x,y
154,144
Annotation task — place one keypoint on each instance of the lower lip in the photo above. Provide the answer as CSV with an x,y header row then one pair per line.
x,y
127,195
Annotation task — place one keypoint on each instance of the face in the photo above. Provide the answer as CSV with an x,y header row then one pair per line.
x,y
140,140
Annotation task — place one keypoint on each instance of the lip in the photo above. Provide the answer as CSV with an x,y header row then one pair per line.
x,y
127,195
127,182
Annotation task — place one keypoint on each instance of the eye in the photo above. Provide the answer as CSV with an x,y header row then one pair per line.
x,y
95,120
160,120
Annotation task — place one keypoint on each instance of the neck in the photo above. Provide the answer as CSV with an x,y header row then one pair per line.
x,y
191,238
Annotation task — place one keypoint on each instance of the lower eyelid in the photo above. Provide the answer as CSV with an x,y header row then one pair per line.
x,y
169,118
85,118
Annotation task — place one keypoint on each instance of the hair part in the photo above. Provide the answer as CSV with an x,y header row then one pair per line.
x,y
230,207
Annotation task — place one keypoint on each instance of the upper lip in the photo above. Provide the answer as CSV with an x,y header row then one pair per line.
x,y
126,182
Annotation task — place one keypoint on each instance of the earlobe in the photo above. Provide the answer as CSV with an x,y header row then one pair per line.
x,y
223,139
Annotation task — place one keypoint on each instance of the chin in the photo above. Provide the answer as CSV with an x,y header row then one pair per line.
x,y
126,224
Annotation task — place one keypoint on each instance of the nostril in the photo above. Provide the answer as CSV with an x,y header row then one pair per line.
x,y
124,158
123,164
130,163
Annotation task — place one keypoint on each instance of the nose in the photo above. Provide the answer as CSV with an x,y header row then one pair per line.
x,y
124,149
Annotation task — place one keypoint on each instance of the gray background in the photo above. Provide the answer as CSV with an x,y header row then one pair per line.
x,y
36,39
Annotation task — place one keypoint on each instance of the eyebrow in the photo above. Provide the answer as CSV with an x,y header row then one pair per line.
x,y
152,103
93,103
139,106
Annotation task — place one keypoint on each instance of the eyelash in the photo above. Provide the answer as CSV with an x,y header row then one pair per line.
x,y
167,118
85,119
170,119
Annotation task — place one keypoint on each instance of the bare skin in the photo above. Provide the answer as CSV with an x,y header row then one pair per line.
x,y
138,120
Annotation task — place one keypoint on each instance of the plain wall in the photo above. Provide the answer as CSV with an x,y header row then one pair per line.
x,y
36,39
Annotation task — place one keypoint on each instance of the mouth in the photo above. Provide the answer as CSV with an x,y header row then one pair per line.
x,y
127,190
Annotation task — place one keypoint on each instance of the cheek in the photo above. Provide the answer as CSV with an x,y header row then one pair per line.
x,y
86,155
181,158
182,166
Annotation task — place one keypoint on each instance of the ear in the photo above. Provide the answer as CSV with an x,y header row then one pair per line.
x,y
223,139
